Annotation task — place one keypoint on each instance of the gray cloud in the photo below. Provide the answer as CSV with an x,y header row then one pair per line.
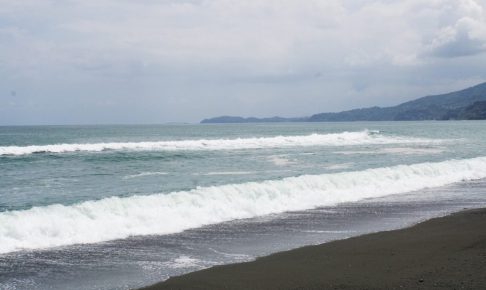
x,y
158,61
467,36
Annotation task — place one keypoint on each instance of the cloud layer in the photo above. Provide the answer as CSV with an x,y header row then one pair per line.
x,y
149,61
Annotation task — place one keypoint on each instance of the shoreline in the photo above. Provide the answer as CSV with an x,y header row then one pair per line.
x,y
441,253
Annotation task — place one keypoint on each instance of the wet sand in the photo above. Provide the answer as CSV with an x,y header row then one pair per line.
x,y
442,253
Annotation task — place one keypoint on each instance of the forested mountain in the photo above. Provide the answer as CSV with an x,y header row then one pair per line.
x,y
467,104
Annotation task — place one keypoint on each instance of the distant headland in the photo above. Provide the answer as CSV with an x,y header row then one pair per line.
x,y
467,104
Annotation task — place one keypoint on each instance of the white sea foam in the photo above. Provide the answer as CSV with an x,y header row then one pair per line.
x,y
184,262
232,255
116,218
142,174
226,173
340,166
396,150
280,160
328,232
413,151
333,139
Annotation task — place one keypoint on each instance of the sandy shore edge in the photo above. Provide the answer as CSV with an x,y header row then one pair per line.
x,y
442,253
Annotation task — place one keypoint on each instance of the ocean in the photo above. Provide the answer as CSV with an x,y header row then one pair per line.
x,y
124,206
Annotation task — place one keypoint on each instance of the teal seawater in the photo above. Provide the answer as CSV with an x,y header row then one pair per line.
x,y
94,207
41,179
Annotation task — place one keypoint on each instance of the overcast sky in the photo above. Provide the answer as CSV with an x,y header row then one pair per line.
x,y
148,61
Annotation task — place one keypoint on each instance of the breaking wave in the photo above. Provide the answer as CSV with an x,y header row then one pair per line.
x,y
117,218
333,139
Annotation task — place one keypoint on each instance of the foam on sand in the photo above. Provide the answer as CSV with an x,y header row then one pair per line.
x,y
117,218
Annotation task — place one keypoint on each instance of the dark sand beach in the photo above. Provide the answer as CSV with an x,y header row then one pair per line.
x,y
441,253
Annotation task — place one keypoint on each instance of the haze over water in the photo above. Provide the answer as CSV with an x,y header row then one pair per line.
x,y
116,207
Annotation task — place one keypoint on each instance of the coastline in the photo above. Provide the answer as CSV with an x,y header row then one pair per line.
x,y
441,253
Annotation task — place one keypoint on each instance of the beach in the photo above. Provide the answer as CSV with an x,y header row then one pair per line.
x,y
442,253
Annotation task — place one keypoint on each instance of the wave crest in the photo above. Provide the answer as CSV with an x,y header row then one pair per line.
x,y
116,218
333,139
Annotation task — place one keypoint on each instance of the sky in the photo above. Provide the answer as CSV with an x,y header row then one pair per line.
x,y
148,61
